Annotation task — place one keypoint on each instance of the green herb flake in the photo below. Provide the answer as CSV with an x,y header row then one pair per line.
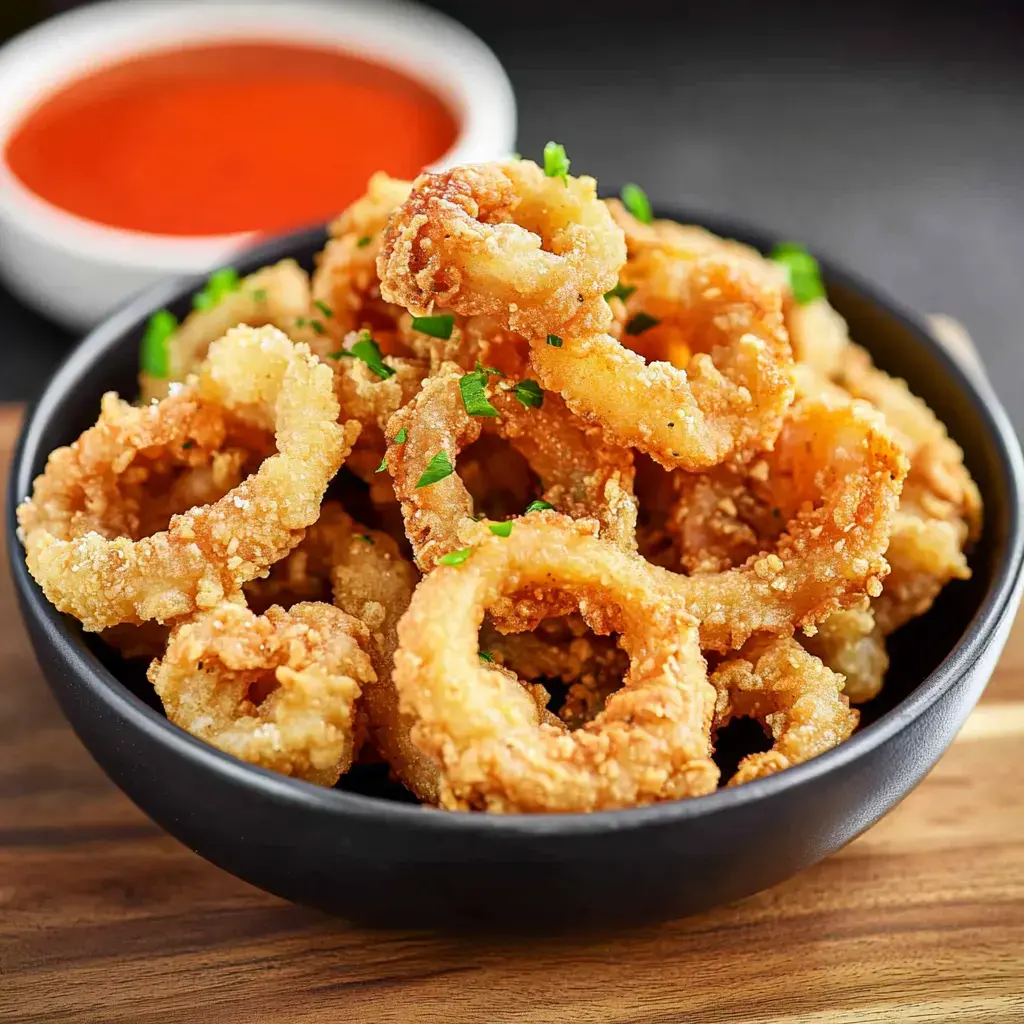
x,y
538,506
363,242
367,351
366,537
485,656
472,387
439,326
300,321
318,327
324,308
500,529
401,437
383,467
803,270
554,341
620,291
189,444
260,295
556,163
529,393
437,469
219,284
634,198
153,355
640,322
455,557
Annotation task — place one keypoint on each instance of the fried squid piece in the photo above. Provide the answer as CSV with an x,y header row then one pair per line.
x,y
486,734
792,694
79,545
277,690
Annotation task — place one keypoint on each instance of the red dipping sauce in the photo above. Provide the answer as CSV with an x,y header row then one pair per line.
x,y
216,139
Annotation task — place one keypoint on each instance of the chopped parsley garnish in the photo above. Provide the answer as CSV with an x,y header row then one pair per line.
x,y
620,291
554,341
189,444
317,327
538,506
485,656
438,468
529,393
367,350
363,242
153,355
300,321
803,270
401,437
473,386
219,284
640,322
556,163
439,326
455,557
260,294
366,537
634,198
324,308
383,467
500,529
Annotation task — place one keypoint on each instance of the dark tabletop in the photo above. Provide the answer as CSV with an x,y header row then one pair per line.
x,y
892,142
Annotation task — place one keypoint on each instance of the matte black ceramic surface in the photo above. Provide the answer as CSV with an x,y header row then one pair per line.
x,y
370,856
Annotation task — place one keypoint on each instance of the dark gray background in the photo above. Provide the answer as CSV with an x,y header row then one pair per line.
x,y
889,136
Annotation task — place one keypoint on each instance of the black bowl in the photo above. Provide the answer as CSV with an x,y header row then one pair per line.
x,y
374,858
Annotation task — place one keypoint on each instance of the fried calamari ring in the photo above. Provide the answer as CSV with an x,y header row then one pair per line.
x,y
103,577
650,743
836,475
851,643
582,477
794,696
730,399
508,241
276,295
277,690
345,280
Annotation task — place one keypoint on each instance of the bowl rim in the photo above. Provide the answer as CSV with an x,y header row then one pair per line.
x,y
998,602
421,43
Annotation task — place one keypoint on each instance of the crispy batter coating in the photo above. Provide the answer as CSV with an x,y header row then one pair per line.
x,y
650,742
276,295
792,694
345,280
104,577
852,644
728,400
835,475
277,689
582,477
504,240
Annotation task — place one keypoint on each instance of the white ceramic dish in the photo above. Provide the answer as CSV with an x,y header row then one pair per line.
x,y
76,270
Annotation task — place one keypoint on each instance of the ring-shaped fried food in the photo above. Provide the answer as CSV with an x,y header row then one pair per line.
x,y
730,399
836,475
651,741
103,577
277,689
277,295
345,279
505,240
582,477
792,694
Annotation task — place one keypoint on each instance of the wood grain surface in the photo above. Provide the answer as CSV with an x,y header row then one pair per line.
x,y
105,918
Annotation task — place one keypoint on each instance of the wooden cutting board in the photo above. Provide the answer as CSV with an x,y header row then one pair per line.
x,y
105,918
